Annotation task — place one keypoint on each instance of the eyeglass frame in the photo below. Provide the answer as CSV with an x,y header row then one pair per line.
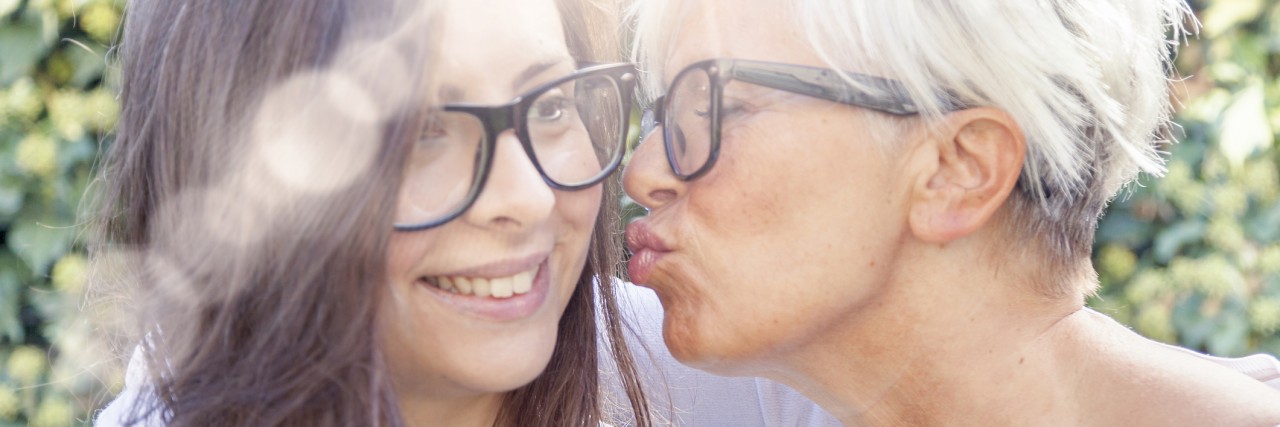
x,y
816,82
497,119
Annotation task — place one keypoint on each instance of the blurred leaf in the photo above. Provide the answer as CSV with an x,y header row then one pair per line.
x,y
23,42
11,279
1266,226
8,6
87,64
1223,15
1170,240
1125,230
1245,128
10,197
1230,334
38,238
1190,151
75,152
1194,329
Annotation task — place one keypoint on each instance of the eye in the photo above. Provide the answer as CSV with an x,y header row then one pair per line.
x,y
434,130
703,112
550,107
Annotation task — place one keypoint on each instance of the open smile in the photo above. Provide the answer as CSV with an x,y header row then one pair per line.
x,y
503,298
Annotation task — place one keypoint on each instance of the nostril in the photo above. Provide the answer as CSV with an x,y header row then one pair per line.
x,y
505,221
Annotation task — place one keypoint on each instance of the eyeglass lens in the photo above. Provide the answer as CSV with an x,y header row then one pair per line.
x,y
688,121
575,131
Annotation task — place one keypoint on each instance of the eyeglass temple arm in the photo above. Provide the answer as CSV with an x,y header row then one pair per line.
x,y
826,84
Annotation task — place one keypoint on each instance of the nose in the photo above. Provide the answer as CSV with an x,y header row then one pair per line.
x,y
648,179
515,196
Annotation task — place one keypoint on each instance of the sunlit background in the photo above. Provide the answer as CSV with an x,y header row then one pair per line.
x,y
1192,258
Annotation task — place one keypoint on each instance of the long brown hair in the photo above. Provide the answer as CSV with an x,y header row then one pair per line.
x,y
260,296
570,386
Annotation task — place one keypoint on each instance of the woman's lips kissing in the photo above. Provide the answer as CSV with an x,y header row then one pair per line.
x,y
646,250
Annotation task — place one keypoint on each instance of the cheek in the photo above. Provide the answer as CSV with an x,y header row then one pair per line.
x,y
794,231
405,253
579,209
775,179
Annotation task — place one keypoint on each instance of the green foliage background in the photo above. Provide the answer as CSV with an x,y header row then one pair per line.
x,y
1192,259
56,100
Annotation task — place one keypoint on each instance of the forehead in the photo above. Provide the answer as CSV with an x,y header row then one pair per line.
x,y
488,42
752,29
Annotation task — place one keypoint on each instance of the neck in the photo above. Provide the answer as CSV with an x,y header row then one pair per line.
x,y
474,410
954,323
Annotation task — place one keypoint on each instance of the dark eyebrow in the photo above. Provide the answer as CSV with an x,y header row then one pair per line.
x,y
536,69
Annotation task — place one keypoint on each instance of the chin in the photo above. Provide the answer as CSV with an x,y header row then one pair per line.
x,y
510,363
689,346
712,350
511,377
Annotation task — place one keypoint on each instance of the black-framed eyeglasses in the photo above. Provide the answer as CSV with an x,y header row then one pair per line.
x,y
692,111
573,129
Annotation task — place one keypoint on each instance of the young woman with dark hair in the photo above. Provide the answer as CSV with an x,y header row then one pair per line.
x,y
329,213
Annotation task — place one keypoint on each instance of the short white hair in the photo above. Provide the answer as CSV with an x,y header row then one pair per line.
x,y
1086,80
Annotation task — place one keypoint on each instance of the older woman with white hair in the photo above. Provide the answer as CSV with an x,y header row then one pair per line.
x,y
890,206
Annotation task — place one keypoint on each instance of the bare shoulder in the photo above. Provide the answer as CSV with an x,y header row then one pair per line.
x,y
1127,378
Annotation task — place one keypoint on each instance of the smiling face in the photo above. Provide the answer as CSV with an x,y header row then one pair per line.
x,y
793,229
514,257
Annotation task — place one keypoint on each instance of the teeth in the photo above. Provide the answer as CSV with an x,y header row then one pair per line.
x,y
480,287
500,287
522,282
463,285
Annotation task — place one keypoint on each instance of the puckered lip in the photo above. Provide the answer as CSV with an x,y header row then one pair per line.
x,y
640,237
502,268
647,250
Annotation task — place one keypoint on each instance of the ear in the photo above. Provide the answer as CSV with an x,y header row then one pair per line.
x,y
965,171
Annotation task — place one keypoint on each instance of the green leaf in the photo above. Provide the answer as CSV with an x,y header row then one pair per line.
x,y
23,43
1265,227
11,278
1170,240
86,63
1188,150
10,197
39,238
1230,336
1120,227
8,6
1223,15
1193,328
50,305
1244,128
71,153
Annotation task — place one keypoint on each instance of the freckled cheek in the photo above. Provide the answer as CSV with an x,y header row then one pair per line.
x,y
747,194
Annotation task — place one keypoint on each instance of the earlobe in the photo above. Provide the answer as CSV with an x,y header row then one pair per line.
x,y
975,158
